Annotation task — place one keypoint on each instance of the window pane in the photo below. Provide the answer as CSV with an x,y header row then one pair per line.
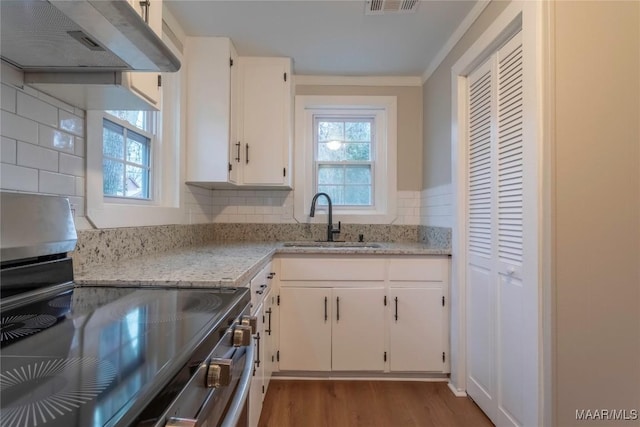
x,y
358,175
137,149
136,118
330,131
328,153
358,131
357,195
137,182
336,192
112,140
113,178
330,175
358,151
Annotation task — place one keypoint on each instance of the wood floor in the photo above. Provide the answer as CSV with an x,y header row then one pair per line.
x,y
367,403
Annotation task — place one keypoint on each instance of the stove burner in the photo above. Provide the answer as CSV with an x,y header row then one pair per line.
x,y
46,384
190,306
14,327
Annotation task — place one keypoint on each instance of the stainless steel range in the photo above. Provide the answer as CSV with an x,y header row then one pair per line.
x,y
100,356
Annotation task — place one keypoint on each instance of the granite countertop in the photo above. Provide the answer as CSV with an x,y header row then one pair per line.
x,y
224,263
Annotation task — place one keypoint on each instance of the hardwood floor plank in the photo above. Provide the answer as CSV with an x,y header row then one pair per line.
x,y
303,403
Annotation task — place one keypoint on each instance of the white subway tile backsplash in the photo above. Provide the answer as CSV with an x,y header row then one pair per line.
x,y
8,153
37,157
53,138
79,146
20,128
71,165
8,95
55,102
36,109
80,186
56,183
72,123
18,178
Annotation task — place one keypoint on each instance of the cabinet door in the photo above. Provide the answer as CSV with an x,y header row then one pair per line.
x,y
234,141
416,339
305,329
265,114
146,84
268,340
209,116
257,382
358,329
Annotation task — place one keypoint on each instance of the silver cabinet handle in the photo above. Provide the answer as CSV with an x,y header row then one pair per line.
x,y
337,309
396,299
247,153
325,309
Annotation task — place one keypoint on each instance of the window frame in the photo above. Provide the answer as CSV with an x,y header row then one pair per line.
x,y
384,108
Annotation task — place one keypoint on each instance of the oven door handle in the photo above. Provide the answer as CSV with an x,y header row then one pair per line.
x,y
240,396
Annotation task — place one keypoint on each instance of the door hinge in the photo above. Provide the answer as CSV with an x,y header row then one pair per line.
x,y
230,167
443,358
159,80
230,62
262,389
278,300
385,300
285,77
262,319
284,171
443,301
385,356
278,356
273,359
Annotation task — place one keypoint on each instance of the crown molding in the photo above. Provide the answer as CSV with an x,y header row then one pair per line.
x,y
300,80
455,38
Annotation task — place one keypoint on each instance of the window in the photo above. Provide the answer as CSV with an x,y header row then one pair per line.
x,y
134,161
344,153
126,160
345,146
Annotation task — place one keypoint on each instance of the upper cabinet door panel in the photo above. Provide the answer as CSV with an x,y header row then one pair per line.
x,y
265,114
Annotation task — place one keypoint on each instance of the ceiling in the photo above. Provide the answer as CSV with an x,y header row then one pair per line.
x,y
328,37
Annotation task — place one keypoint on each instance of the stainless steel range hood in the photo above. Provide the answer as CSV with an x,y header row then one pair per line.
x,y
80,36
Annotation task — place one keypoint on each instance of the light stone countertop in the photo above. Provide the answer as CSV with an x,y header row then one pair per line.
x,y
223,263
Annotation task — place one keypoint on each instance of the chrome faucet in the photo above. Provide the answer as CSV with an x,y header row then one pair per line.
x,y
330,230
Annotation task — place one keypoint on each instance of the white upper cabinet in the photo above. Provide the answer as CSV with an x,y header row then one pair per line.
x,y
265,120
238,117
146,85
211,75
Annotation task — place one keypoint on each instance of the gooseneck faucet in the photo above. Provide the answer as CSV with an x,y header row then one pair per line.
x,y
330,230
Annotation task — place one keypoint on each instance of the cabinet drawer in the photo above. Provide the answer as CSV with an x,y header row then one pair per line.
x,y
321,269
422,269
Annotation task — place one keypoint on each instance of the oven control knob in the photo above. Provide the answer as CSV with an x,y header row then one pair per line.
x,y
219,373
250,321
241,335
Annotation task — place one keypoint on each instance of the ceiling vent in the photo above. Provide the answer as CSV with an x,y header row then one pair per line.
x,y
383,7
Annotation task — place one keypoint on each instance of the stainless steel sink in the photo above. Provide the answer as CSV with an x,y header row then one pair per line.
x,y
331,245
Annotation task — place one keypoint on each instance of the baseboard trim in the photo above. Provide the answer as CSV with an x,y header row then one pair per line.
x,y
456,392
355,376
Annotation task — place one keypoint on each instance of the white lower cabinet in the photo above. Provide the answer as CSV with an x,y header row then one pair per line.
x,y
416,330
338,315
331,329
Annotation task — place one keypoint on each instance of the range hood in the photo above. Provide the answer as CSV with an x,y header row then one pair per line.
x,y
84,36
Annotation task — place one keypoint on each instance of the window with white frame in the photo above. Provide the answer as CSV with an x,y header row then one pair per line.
x,y
134,169
127,146
345,146
344,159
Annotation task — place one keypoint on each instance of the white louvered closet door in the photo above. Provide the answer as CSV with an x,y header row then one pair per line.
x,y
495,323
